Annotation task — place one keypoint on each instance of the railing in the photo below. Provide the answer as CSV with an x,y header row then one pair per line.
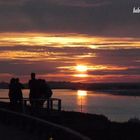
x,y
49,105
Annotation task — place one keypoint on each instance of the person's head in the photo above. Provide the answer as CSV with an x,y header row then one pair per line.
x,y
32,75
12,80
17,80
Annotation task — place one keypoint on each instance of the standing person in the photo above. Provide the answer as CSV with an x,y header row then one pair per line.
x,y
15,92
12,91
33,90
18,96
44,91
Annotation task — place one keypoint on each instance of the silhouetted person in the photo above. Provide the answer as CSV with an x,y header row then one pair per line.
x,y
44,92
48,93
39,91
15,91
33,86
19,96
12,91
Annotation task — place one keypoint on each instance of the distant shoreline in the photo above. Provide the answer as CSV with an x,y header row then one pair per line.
x,y
124,89
130,92
84,86
120,92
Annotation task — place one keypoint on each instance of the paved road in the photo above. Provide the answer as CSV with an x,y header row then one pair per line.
x,y
10,132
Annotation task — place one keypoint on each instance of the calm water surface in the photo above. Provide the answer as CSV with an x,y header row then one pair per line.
x,y
115,107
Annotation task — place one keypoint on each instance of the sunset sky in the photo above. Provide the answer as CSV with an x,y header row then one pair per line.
x,y
70,40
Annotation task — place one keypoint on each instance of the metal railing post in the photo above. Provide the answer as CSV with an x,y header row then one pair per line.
x,y
48,104
23,107
51,104
59,105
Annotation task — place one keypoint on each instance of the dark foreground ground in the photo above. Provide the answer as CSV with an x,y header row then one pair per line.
x,y
97,127
9,133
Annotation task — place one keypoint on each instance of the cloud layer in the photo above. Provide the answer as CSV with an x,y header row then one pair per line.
x,y
96,17
119,65
51,37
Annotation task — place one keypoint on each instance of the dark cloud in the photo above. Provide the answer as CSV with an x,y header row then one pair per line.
x,y
130,71
23,67
120,57
96,17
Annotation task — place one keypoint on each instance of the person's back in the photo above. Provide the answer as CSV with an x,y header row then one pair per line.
x,y
19,87
49,92
33,89
12,90
46,90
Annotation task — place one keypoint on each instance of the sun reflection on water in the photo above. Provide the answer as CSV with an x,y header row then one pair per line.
x,y
81,99
82,93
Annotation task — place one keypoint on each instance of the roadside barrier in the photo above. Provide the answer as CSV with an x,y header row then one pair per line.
x,y
43,129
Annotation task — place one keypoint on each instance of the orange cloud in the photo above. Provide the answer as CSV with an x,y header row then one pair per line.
x,y
66,40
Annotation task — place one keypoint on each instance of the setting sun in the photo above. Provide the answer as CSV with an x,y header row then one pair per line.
x,y
81,68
